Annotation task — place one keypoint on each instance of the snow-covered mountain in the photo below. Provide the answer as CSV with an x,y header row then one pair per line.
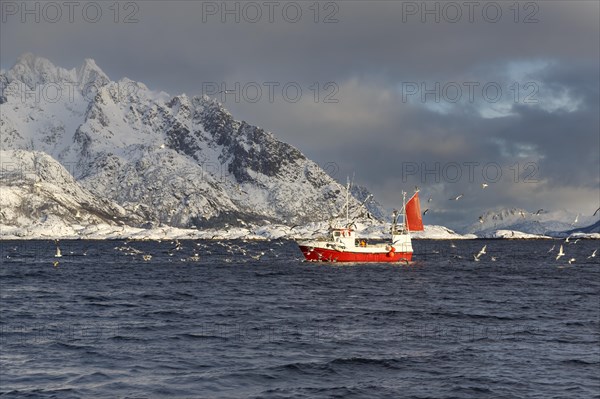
x,y
37,190
158,159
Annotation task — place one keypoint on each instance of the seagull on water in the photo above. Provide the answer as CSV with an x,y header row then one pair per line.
x,y
571,260
560,253
481,219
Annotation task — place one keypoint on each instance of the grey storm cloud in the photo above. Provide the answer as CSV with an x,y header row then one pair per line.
x,y
371,54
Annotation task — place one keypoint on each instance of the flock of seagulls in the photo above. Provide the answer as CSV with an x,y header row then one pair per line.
x,y
234,252
231,251
560,254
478,255
456,198
561,251
481,218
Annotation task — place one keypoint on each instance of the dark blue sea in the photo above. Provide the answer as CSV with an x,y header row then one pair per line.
x,y
238,319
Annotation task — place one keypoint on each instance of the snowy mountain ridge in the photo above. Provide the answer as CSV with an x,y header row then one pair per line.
x,y
540,222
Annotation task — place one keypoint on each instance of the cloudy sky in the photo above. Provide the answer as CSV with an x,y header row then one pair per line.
x,y
443,95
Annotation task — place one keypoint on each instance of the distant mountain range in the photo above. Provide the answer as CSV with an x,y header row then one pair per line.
x,y
556,223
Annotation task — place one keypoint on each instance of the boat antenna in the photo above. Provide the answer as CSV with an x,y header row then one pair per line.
x,y
362,205
404,225
347,201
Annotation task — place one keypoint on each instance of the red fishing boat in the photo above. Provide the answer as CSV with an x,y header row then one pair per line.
x,y
342,245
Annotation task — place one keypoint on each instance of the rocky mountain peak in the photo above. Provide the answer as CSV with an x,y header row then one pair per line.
x,y
34,70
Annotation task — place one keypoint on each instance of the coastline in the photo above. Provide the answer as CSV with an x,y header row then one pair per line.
x,y
261,233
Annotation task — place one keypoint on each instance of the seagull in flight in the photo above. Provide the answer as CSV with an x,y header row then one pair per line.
x,y
480,219
597,210
459,196
560,253
481,252
425,211
430,199
593,255
538,212
575,221
551,249
484,185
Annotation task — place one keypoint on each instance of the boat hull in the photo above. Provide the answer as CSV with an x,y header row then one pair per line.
x,y
316,254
